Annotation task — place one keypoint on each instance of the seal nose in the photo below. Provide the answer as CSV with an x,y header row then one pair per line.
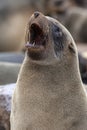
x,y
36,14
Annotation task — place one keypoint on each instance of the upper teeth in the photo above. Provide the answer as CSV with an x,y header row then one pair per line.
x,y
33,43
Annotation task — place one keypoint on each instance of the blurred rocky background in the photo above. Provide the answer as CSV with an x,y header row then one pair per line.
x,y
14,15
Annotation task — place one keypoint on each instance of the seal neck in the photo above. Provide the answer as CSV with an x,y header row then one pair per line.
x,y
57,76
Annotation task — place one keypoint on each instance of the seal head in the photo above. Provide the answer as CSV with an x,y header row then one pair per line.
x,y
47,39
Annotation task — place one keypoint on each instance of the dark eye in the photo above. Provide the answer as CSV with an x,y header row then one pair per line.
x,y
56,31
57,38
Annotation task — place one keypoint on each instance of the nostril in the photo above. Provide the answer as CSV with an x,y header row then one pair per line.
x,y
58,2
36,14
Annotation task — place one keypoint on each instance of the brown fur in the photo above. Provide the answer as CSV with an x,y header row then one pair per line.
x,y
49,94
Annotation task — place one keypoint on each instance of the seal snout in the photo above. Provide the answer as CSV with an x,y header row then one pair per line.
x,y
37,36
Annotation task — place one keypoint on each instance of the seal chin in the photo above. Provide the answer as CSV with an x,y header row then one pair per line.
x,y
37,39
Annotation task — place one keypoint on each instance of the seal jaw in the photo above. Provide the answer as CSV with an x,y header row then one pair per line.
x,y
37,39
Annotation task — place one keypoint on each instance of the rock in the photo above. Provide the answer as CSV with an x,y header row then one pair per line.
x,y
5,106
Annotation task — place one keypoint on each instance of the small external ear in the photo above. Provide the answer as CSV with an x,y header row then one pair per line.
x,y
71,48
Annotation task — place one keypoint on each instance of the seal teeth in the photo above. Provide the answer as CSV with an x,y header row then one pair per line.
x,y
33,43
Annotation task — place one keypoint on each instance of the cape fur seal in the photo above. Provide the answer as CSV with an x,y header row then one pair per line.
x,y
49,94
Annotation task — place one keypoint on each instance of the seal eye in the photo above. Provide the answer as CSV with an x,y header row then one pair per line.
x,y
58,33
57,38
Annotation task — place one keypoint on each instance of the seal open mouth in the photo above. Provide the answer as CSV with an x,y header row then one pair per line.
x,y
37,38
